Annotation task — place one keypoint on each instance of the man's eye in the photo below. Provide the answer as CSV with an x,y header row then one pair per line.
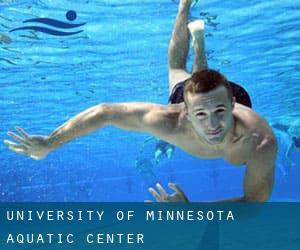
x,y
201,114
219,111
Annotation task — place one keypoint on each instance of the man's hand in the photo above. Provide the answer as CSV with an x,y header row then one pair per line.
x,y
163,196
33,146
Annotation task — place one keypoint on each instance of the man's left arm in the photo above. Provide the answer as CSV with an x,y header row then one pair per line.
x,y
258,180
259,177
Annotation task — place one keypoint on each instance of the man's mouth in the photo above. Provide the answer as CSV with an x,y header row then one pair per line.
x,y
215,131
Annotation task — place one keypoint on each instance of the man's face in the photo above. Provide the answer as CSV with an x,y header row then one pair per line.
x,y
210,114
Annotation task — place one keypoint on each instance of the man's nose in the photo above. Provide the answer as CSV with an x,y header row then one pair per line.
x,y
213,123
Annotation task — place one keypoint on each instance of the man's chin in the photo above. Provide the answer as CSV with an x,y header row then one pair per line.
x,y
214,140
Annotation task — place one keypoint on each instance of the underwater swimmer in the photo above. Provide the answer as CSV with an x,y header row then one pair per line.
x,y
208,124
177,68
161,149
293,132
295,145
145,169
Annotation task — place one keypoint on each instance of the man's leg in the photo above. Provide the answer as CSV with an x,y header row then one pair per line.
x,y
179,46
196,29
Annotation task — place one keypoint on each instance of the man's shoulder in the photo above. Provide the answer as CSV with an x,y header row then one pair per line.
x,y
249,118
170,111
167,115
255,133
252,124
165,122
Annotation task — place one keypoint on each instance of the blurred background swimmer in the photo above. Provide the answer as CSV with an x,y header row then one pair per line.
x,y
283,165
162,149
151,154
145,161
290,130
145,169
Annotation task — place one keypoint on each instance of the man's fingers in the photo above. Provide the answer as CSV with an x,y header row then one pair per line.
x,y
177,189
11,144
17,147
155,194
162,192
16,137
18,150
23,133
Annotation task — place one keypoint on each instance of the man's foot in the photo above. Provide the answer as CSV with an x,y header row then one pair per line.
x,y
185,2
196,29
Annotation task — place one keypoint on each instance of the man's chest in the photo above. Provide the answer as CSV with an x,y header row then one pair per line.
x,y
236,153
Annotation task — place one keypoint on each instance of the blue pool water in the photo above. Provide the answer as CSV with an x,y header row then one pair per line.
x,y
121,55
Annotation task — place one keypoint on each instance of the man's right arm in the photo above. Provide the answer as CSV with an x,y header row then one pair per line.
x,y
146,117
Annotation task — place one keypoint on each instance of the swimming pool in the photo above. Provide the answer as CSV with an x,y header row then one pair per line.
x,y
121,55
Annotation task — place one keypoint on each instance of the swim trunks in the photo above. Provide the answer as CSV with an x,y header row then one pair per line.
x,y
240,94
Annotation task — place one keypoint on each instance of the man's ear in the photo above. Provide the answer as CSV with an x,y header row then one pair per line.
x,y
233,101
